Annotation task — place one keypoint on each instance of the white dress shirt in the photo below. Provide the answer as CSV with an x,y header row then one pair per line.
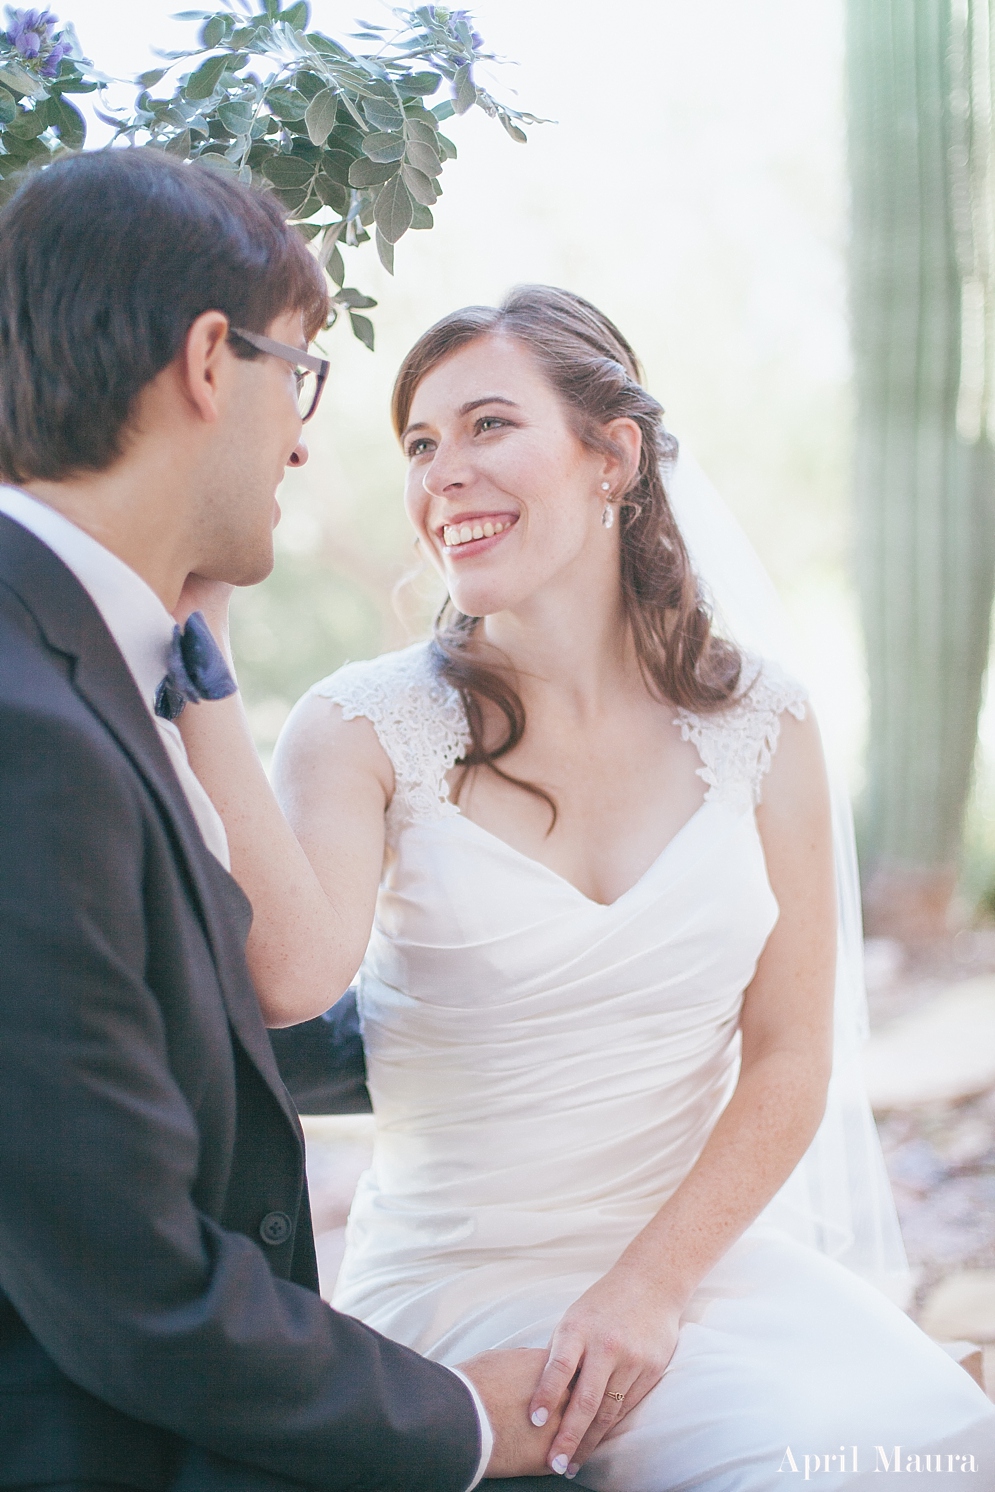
x,y
139,624
143,630
486,1433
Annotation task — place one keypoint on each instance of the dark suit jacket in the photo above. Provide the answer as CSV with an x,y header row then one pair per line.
x,y
158,1290
323,1063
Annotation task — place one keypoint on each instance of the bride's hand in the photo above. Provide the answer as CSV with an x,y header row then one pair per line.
x,y
616,1339
208,596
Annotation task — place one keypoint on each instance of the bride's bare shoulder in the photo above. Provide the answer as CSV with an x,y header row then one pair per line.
x,y
334,731
794,802
377,716
320,738
798,765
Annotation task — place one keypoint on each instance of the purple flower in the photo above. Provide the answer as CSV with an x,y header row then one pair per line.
x,y
30,30
50,67
31,34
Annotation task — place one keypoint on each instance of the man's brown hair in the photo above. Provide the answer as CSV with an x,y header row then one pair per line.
x,y
106,260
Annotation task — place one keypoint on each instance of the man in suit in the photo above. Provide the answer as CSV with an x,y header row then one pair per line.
x,y
160,1326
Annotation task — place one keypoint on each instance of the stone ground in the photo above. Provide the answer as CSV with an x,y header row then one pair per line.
x,y
931,1072
939,1142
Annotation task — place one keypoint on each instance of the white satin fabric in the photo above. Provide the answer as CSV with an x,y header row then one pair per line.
x,y
545,1071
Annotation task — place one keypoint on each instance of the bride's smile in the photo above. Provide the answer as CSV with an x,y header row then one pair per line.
x,y
470,531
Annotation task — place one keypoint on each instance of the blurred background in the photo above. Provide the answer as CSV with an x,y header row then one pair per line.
x,y
695,186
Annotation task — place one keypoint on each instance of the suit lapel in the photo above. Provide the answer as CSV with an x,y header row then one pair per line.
x,y
71,624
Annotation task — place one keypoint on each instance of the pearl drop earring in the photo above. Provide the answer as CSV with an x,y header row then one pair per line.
x,y
608,514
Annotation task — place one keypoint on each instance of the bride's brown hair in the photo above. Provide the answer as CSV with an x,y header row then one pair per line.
x,y
597,375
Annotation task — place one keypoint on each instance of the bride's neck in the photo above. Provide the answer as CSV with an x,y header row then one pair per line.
x,y
581,651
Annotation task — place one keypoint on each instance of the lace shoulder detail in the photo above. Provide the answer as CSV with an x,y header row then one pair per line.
x,y
736,745
418,719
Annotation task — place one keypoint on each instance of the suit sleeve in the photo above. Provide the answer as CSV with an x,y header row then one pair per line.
x,y
140,1299
322,1061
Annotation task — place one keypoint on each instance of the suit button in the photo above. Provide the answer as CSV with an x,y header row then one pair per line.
x,y
275,1228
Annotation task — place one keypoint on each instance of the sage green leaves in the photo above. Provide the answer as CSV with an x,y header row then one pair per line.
x,y
39,64
348,140
320,116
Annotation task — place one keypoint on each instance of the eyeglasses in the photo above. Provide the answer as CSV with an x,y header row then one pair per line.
x,y
310,372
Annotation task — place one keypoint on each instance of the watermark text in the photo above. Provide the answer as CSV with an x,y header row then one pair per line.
x,y
854,1459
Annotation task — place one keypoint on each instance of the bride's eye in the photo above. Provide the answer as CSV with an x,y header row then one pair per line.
x,y
489,422
418,447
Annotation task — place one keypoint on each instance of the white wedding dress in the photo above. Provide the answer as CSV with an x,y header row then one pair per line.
x,y
545,1070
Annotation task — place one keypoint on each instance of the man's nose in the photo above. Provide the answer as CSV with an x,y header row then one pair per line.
x,y
299,455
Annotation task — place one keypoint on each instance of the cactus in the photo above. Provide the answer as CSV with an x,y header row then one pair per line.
x,y
922,272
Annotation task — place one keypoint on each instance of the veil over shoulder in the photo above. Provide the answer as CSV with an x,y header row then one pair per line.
x,y
838,1199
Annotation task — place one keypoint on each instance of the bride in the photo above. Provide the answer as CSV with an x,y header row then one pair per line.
x,y
593,840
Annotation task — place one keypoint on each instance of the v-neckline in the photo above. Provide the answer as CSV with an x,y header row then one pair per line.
x,y
568,884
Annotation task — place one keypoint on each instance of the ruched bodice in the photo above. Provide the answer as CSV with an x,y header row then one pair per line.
x,y
499,1003
497,1000
545,1070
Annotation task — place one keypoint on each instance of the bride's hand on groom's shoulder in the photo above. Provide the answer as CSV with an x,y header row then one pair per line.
x,y
506,1380
609,1350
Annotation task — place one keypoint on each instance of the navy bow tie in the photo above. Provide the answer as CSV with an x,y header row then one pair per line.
x,y
197,669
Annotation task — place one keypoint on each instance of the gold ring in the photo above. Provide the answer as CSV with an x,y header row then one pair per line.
x,y
617,1397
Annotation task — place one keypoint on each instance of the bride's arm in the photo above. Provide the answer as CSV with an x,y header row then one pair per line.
x,y
622,1332
312,886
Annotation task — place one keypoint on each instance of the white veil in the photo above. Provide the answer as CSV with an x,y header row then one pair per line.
x,y
838,1199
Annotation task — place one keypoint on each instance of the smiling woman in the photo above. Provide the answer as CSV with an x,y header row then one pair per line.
x,y
597,1013
579,366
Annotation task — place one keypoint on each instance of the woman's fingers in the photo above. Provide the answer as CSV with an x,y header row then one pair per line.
x,y
587,1401
565,1352
611,1414
602,1371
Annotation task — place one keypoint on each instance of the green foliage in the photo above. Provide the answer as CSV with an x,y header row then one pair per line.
x,y
343,138
37,122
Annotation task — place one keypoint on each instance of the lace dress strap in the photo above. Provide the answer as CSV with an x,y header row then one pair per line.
x,y
737,744
419,721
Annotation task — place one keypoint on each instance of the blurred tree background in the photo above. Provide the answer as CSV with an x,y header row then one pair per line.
x,y
717,247
923,314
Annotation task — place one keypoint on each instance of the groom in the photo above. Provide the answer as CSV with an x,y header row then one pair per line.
x,y
160,1326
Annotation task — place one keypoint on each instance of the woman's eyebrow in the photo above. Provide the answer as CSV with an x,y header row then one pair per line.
x,y
487,399
467,408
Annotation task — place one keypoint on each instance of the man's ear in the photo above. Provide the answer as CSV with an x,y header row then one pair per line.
x,y
203,361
